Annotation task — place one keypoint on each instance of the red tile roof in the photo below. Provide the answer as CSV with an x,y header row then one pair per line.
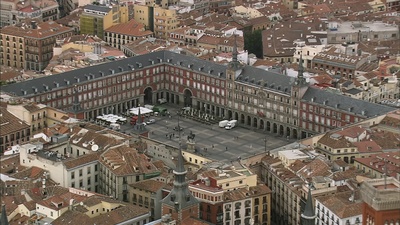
x,y
130,28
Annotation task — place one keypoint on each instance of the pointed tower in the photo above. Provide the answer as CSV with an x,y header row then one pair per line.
x,y
308,216
139,124
300,77
3,218
233,71
298,89
180,203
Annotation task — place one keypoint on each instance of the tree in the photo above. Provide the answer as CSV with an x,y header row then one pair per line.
x,y
253,42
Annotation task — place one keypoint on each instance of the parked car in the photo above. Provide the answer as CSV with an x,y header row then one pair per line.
x,y
151,121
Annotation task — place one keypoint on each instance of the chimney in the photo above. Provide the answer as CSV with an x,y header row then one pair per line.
x,y
33,25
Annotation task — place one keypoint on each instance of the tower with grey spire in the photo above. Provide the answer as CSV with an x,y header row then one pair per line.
x,y
301,80
3,217
308,215
180,203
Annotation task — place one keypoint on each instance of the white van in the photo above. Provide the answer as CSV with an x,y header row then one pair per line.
x,y
223,123
231,124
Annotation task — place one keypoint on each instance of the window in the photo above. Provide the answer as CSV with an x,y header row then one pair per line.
x,y
72,175
80,172
88,170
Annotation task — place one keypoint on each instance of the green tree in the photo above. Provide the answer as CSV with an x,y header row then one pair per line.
x,y
253,42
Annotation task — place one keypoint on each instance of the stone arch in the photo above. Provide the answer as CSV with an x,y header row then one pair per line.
x,y
294,133
262,125
248,121
187,98
229,114
268,126
148,96
242,119
236,116
275,128
255,125
288,132
281,130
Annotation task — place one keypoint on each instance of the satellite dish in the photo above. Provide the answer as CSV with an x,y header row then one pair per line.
x,y
95,148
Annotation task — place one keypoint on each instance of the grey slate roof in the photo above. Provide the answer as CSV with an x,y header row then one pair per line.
x,y
267,79
3,217
354,91
79,76
342,102
100,8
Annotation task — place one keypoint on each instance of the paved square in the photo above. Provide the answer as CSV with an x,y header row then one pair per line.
x,y
211,141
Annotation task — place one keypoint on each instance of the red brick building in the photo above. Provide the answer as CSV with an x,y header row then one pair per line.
x,y
381,201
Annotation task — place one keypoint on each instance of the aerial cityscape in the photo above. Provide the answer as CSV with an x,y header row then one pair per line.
x,y
190,112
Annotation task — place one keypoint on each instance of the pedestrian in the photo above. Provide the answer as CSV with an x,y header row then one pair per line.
x,y
166,135
212,146
226,148
173,135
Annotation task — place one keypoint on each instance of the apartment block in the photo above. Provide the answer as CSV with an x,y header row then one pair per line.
x,y
379,165
13,12
124,33
13,131
247,205
121,166
381,201
341,208
147,194
95,19
30,46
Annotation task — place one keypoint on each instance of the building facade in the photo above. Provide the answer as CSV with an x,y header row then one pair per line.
x,y
381,201
257,98
95,19
13,130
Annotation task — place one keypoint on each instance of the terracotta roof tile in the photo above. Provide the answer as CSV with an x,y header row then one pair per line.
x,y
10,123
123,160
130,28
340,205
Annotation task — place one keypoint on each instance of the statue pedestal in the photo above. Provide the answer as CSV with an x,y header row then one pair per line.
x,y
190,145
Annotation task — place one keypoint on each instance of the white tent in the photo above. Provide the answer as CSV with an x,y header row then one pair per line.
x,y
143,111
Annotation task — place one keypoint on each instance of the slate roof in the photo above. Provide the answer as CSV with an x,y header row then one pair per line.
x,y
99,8
354,91
344,103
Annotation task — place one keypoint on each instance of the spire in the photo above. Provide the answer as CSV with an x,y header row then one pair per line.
x,y
180,197
308,216
3,218
235,64
301,69
300,80
140,116
235,51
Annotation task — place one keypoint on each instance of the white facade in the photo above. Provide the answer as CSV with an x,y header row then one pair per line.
x,y
238,212
307,52
82,176
326,216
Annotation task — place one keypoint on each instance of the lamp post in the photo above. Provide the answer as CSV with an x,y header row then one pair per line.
x,y
265,144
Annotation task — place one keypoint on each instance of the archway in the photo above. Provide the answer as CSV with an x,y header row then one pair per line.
x,y
281,130
236,116
287,132
261,124
148,96
229,115
255,122
268,128
248,121
241,118
275,128
295,133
